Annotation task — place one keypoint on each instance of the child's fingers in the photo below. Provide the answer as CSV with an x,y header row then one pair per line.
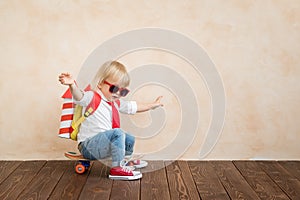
x,y
158,101
62,77
65,78
62,81
158,98
65,74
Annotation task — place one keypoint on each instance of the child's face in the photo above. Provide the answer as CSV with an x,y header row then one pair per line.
x,y
111,90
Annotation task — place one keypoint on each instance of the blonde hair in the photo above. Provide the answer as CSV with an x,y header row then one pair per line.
x,y
113,69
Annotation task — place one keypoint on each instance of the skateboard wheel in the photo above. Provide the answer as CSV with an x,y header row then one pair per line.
x,y
80,169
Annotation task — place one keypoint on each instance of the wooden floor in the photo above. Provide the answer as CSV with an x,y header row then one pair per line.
x,y
174,180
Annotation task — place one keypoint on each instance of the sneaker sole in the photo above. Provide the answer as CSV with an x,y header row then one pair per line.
x,y
125,178
141,165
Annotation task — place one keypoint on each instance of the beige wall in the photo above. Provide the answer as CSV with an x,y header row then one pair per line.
x,y
253,44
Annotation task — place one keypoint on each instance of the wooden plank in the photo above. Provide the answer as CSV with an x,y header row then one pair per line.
x,y
169,180
180,180
234,183
287,182
207,181
125,190
261,183
45,181
70,184
6,168
98,185
293,167
154,184
19,179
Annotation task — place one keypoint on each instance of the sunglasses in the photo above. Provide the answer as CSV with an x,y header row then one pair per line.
x,y
114,89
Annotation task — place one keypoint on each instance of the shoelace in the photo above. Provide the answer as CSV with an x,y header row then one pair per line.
x,y
124,163
126,169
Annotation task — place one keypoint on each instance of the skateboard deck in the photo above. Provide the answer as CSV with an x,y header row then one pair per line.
x,y
74,156
82,165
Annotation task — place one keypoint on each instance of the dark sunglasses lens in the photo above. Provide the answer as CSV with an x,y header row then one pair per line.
x,y
124,92
114,89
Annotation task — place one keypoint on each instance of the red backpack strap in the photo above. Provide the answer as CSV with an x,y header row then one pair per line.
x,y
93,105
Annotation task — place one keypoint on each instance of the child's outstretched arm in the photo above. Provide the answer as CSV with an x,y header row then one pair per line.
x,y
67,79
142,107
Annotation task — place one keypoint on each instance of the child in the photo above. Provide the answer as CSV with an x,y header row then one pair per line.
x,y
99,135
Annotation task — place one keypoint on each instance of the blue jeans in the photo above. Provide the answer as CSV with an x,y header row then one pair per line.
x,y
115,143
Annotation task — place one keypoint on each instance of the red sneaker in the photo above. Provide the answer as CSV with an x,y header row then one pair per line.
x,y
124,173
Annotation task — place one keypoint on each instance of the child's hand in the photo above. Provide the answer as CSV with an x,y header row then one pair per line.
x,y
65,79
157,103
142,107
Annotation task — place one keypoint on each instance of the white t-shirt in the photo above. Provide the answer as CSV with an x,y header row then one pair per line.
x,y
101,119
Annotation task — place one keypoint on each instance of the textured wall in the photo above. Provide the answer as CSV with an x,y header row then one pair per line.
x,y
253,44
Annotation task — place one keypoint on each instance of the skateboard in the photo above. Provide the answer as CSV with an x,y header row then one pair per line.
x,y
82,165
